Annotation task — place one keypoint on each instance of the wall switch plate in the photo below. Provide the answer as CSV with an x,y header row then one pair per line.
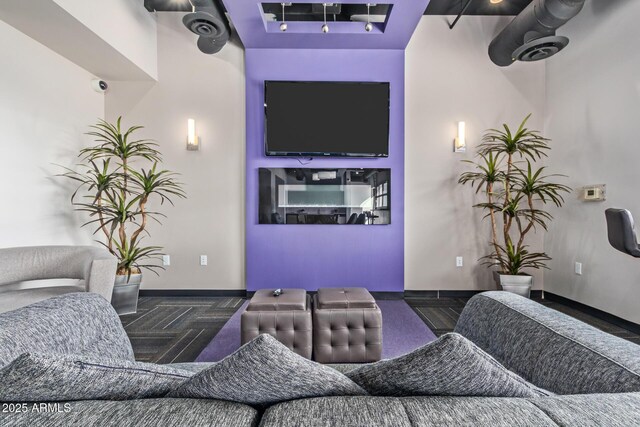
x,y
459,261
578,268
166,260
203,260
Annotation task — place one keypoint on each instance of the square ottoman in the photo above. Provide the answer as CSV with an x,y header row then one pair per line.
x,y
347,326
286,317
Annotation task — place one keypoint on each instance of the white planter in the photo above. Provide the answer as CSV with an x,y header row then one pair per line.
x,y
125,294
520,284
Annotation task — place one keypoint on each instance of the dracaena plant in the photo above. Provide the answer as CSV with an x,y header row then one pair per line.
x,y
115,190
515,193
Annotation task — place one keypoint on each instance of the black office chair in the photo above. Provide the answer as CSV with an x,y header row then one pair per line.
x,y
622,235
362,218
276,218
352,218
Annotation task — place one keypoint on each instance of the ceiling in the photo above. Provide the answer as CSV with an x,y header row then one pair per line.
x,y
476,7
259,32
315,11
391,24
303,12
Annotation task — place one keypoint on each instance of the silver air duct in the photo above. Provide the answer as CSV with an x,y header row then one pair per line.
x,y
531,36
208,21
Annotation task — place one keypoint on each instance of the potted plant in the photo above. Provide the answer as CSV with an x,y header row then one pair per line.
x,y
515,192
116,192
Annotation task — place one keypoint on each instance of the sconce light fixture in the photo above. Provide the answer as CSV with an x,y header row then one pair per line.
x,y
460,143
193,141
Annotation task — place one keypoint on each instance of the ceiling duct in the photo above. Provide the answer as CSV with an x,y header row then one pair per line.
x,y
531,36
209,22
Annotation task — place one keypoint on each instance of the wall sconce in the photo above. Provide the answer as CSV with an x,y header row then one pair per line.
x,y
460,143
193,141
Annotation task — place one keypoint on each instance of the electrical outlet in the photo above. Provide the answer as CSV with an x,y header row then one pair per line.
x,y
459,261
203,260
578,269
166,260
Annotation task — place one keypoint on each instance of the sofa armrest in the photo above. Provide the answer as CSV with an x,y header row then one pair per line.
x,y
100,272
548,348
96,266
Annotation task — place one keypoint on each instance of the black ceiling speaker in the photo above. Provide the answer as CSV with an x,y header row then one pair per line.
x,y
209,22
531,36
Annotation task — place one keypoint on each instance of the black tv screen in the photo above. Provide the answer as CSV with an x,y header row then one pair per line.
x,y
326,119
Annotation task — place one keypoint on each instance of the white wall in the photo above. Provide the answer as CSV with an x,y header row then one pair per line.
x,y
593,114
124,24
449,79
113,39
46,104
210,89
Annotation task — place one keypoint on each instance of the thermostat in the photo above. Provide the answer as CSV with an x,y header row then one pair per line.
x,y
594,193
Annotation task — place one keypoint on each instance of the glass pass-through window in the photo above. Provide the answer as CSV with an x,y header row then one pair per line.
x,y
325,196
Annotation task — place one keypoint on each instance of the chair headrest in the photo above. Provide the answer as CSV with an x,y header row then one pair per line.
x,y
621,233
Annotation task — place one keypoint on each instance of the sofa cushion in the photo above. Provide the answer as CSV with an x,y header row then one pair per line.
x,y
449,366
78,323
337,411
263,372
46,378
549,348
439,411
194,367
602,410
139,413
424,411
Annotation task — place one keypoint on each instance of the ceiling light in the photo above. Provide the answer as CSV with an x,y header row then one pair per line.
x,y
495,1
283,25
325,27
369,25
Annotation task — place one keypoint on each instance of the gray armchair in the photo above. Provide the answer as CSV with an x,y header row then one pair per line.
x,y
94,267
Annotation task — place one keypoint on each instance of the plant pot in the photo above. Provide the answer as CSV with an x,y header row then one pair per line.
x,y
125,293
520,284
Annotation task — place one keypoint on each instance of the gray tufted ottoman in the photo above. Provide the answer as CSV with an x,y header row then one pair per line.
x,y
347,326
287,318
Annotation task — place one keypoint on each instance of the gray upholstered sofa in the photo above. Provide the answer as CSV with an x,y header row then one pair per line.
x,y
596,376
94,267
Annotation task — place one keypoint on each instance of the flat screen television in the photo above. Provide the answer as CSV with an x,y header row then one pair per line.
x,y
326,119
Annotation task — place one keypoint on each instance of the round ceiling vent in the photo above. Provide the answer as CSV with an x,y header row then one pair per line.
x,y
538,49
204,24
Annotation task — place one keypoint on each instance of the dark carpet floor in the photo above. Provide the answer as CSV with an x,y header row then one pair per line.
x,y
177,329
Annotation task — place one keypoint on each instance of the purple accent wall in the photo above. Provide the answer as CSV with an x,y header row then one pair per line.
x,y
313,256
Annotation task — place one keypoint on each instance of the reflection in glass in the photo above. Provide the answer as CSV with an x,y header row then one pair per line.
x,y
324,196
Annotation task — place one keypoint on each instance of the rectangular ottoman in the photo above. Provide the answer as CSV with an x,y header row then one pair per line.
x,y
347,326
286,317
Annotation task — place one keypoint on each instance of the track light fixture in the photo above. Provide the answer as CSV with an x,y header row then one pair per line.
x,y
283,24
325,27
369,25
